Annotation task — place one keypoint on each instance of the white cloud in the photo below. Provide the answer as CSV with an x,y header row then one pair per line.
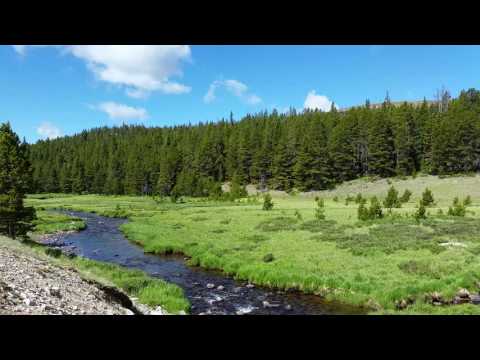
x,y
317,102
122,112
234,87
47,130
140,69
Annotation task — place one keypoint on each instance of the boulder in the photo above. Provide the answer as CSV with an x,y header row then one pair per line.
x,y
463,293
210,286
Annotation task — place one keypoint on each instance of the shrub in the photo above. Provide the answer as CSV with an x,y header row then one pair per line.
x,y
53,252
362,212
421,212
427,198
458,208
267,202
335,198
467,201
268,258
320,210
358,199
298,215
392,201
374,212
405,196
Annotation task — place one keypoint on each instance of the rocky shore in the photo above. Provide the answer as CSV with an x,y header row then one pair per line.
x,y
32,285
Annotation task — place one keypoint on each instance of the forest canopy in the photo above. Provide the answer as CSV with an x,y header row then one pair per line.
x,y
312,150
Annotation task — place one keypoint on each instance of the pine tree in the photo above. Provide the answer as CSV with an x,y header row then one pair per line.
x,y
15,178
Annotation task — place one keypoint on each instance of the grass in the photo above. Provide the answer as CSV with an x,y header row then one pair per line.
x,y
49,222
383,261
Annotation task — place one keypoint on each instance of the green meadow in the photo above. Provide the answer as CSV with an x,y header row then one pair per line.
x,y
374,263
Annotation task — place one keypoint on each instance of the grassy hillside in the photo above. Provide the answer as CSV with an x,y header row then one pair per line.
x,y
376,263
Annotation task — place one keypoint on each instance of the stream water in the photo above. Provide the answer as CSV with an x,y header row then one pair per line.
x,y
103,241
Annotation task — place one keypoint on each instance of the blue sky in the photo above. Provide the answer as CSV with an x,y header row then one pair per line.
x,y
49,91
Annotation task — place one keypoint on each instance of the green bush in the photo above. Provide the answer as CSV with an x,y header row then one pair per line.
x,y
467,201
392,200
427,198
268,258
358,199
405,196
458,208
374,212
320,210
335,198
421,212
267,202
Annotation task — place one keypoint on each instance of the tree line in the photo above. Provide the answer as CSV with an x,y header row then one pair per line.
x,y
311,150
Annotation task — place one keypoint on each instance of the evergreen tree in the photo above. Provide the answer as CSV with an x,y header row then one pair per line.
x,y
15,179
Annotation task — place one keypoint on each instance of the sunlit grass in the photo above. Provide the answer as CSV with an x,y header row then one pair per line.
x,y
384,260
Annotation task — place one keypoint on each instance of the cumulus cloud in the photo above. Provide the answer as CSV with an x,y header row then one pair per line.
x,y
121,112
317,102
47,130
234,87
140,69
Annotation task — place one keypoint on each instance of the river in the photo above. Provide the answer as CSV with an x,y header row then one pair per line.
x,y
103,241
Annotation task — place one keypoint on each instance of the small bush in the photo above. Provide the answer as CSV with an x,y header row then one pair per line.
x,y
298,215
268,258
467,201
392,201
421,212
53,252
358,199
405,196
335,198
374,212
458,208
427,198
267,202
320,210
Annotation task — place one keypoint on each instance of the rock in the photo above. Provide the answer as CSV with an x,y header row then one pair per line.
x,y
29,302
249,286
463,293
475,299
288,307
372,304
266,304
237,290
210,286
55,291
400,305
220,287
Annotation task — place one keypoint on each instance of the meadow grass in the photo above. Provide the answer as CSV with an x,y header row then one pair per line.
x,y
380,261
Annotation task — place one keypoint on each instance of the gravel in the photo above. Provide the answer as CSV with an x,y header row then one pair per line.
x,y
30,285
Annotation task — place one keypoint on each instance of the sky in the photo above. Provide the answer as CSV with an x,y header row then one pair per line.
x,y
51,91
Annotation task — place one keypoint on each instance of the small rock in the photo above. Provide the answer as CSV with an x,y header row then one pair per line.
x,y
237,290
400,305
220,287
55,291
288,307
210,286
250,286
475,299
266,304
463,293
29,302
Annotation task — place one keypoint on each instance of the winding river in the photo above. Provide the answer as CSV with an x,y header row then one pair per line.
x,y
209,292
